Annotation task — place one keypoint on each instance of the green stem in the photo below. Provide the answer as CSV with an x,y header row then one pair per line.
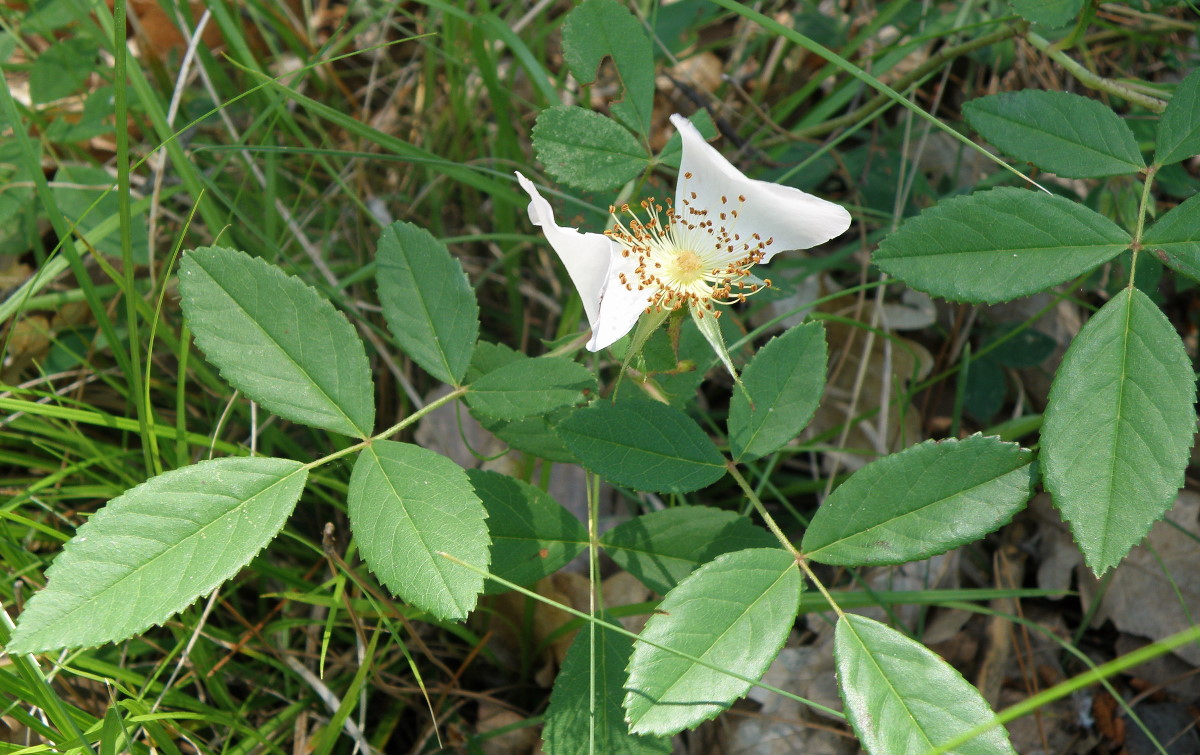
x,y
1143,209
762,510
1094,81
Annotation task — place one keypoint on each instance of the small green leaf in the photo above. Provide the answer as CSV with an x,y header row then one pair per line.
x,y
1029,348
62,68
408,505
1050,13
1000,244
644,445
157,547
921,501
1119,426
427,300
277,340
785,381
1179,127
734,613
577,724
586,150
663,547
599,29
902,698
529,387
75,189
1175,238
533,536
1063,133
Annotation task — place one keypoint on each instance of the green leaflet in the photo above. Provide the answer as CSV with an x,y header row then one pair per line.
x,y
599,29
1119,426
1073,136
710,616
429,305
157,547
1179,128
902,698
277,340
584,149
408,505
1000,244
644,445
921,501
663,547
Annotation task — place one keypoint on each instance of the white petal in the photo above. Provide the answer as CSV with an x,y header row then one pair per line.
x,y
792,218
587,256
620,307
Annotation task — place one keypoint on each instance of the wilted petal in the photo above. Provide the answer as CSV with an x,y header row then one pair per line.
x,y
792,218
587,256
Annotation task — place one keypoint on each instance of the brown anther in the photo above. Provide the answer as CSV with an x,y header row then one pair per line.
x,y
741,197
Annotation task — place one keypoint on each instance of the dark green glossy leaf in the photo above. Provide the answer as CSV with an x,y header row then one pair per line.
x,y
1179,128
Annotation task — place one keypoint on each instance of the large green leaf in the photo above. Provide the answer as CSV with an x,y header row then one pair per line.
x,y
586,150
599,29
902,698
996,245
530,387
156,548
1175,238
533,536
578,723
644,445
1118,427
1073,136
784,380
277,340
1179,128
663,547
408,505
427,300
733,613
922,501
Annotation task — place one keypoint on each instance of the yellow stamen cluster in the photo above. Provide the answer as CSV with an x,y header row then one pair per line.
x,y
691,257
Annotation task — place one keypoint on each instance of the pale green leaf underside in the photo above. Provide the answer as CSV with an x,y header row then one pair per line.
x,y
570,726
1073,136
921,501
407,504
1179,128
530,387
427,301
734,613
644,445
584,149
1118,427
154,549
663,547
785,379
533,536
902,698
1177,235
1000,244
277,340
599,29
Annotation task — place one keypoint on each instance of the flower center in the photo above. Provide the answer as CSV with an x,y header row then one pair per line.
x,y
687,257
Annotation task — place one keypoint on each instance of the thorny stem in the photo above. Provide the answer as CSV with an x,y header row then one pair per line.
x,y
1092,80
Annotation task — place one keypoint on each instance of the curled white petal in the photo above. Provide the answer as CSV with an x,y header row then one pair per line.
x,y
791,218
587,256
620,307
